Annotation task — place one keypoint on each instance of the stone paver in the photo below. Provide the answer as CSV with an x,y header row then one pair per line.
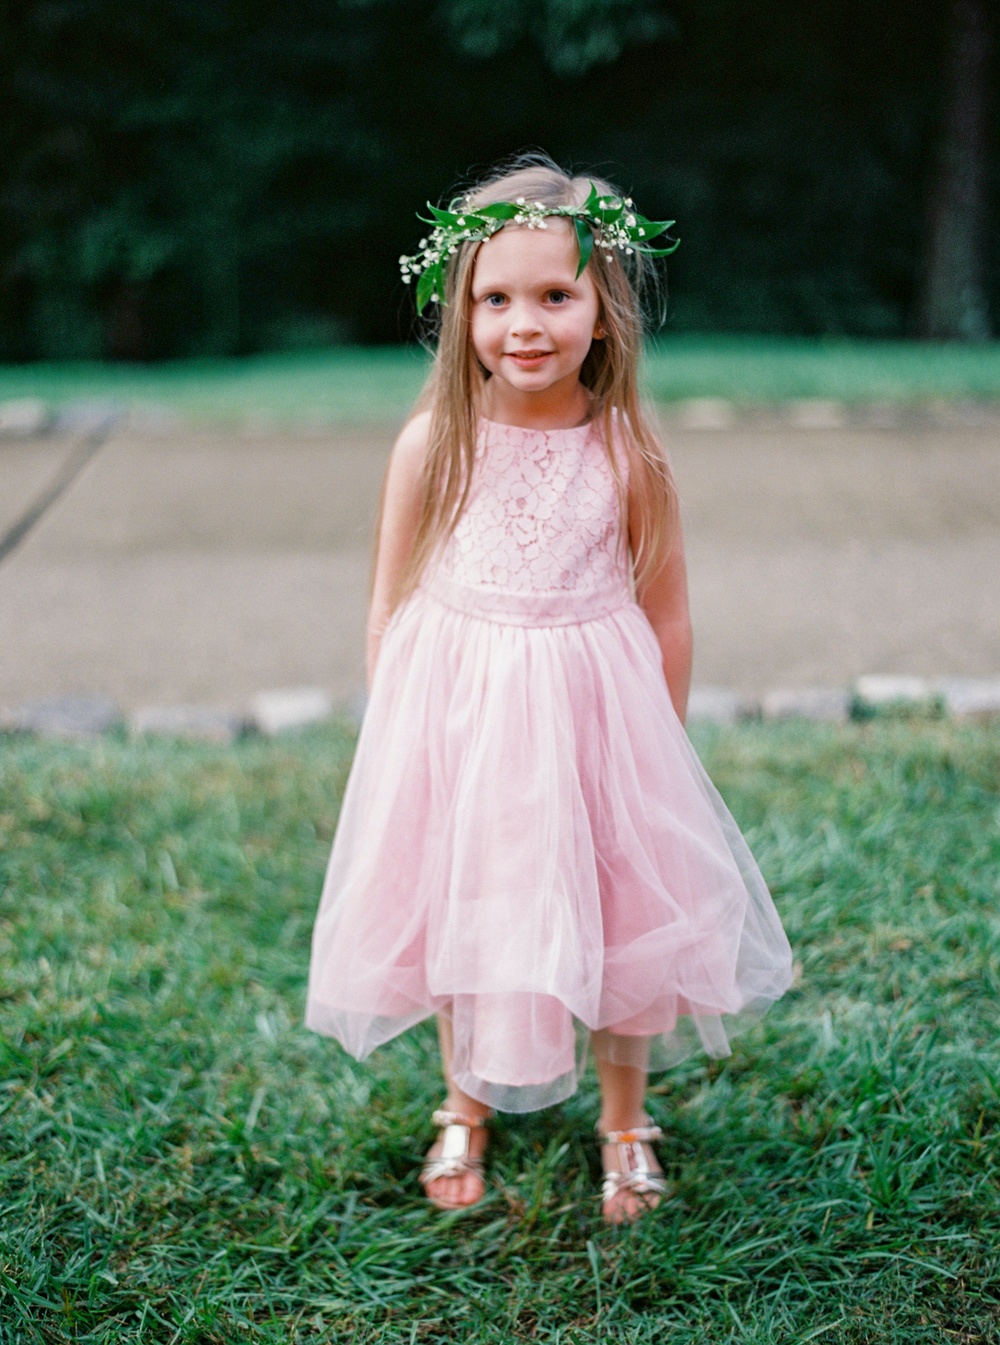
x,y
876,691
970,697
196,723
719,705
274,712
821,704
23,417
71,717
815,413
706,413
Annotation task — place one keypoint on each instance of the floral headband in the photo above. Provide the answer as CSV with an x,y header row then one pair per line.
x,y
609,221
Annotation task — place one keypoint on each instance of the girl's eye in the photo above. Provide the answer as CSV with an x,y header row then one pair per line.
x,y
558,296
495,300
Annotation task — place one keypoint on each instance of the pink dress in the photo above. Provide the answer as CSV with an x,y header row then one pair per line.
x,y
527,841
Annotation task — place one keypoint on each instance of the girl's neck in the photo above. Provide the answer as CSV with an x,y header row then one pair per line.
x,y
554,409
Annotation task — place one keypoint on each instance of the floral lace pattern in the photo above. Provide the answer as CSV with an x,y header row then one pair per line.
x,y
542,516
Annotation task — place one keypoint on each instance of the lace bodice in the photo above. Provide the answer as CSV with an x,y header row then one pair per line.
x,y
542,517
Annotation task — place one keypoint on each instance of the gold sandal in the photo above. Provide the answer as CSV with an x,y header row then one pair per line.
x,y
454,1160
634,1172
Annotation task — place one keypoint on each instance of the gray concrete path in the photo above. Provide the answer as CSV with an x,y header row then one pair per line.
x,y
206,567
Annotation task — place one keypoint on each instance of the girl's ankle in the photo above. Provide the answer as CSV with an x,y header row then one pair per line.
x,y
466,1107
609,1125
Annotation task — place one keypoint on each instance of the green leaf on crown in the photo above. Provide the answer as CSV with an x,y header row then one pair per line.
x,y
442,216
500,210
428,285
660,252
585,237
654,227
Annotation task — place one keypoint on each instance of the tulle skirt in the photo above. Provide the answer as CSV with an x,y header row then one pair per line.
x,y
529,845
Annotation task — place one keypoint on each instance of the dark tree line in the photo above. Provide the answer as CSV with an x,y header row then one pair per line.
x,y
953,300
218,176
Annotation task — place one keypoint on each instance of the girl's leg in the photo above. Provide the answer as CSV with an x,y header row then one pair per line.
x,y
623,1106
457,1192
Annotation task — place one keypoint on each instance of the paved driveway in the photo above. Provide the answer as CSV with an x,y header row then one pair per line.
x,y
208,567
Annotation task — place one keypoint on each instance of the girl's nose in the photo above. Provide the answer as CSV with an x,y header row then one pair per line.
x,y
524,320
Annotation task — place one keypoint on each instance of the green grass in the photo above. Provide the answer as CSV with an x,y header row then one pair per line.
x,y
762,370
180,1161
341,386
357,386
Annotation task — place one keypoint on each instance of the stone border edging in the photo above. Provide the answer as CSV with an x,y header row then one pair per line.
x,y
271,713
26,418
963,698
823,413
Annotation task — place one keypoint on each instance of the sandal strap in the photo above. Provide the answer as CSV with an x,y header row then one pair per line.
x,y
637,1134
454,1160
633,1172
443,1118
456,1166
641,1184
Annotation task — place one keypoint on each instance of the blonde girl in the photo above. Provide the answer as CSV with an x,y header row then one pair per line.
x,y
528,847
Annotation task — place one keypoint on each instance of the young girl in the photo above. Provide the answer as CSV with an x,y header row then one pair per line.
x,y
528,846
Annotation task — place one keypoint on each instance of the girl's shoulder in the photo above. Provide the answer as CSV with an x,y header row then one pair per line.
x,y
410,447
405,472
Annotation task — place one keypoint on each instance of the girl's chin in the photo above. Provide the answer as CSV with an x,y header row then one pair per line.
x,y
536,374
529,381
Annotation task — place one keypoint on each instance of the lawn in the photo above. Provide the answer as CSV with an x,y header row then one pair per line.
x,y
180,1161
355,385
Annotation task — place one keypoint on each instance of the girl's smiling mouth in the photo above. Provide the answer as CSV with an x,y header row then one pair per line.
x,y
529,358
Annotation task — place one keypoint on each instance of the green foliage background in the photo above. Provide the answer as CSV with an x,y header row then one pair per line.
x,y
219,178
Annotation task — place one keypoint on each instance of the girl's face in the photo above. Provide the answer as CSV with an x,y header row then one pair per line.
x,y
532,319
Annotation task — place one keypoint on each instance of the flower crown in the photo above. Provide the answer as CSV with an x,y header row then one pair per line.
x,y
609,221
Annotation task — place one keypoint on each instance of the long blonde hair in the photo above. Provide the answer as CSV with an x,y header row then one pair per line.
x,y
454,389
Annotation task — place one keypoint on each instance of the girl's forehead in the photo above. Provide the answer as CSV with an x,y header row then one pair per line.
x,y
516,249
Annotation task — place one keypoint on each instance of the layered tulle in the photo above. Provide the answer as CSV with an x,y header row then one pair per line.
x,y
529,844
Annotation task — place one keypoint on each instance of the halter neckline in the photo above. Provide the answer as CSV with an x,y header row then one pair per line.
x,y
486,422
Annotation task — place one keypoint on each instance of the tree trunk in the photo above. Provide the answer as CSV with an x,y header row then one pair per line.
x,y
952,303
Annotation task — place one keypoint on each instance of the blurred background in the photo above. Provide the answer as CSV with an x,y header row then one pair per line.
x,y
201,210
236,176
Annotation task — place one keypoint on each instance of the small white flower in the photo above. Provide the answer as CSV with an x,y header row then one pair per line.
x,y
630,221
642,233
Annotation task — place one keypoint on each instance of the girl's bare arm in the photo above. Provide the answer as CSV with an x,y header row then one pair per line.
x,y
664,599
400,515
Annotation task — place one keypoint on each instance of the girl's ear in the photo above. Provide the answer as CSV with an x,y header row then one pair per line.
x,y
599,332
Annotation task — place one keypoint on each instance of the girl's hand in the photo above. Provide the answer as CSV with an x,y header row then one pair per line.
x,y
399,515
664,599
